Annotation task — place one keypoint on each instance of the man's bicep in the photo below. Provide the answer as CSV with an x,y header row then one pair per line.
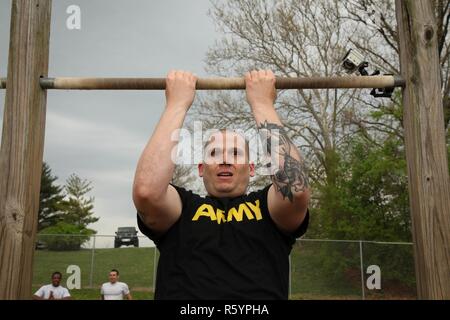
x,y
287,215
160,214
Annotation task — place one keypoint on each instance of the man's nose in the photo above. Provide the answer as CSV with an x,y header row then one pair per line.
x,y
226,159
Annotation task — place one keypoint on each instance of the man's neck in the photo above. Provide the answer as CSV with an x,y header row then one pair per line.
x,y
226,196
230,195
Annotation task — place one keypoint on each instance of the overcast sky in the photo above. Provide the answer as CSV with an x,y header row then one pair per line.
x,y
100,135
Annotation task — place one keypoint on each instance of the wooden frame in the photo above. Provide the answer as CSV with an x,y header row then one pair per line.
x,y
24,126
426,152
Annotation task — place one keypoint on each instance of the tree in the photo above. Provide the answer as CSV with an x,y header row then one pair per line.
x,y
71,229
310,38
352,143
77,207
376,37
369,201
50,198
370,195
293,38
183,177
65,237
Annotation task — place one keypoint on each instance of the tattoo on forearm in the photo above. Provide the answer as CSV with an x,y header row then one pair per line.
x,y
291,174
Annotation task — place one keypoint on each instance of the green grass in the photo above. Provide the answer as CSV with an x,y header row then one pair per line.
x,y
312,277
94,294
331,270
136,269
134,264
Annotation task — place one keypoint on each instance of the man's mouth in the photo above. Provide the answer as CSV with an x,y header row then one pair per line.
x,y
224,174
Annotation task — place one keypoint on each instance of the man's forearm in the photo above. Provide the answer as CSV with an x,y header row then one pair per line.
x,y
289,175
155,167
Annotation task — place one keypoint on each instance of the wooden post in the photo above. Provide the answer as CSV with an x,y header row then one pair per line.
x,y
22,145
426,155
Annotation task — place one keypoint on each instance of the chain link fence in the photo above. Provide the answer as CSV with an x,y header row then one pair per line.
x,y
339,269
320,269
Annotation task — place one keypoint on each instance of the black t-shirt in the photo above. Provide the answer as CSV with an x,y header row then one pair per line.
x,y
223,248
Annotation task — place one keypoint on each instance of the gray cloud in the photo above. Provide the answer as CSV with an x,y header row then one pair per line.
x,y
100,135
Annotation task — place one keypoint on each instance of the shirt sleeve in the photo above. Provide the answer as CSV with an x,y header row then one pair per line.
x,y
184,195
40,292
125,289
102,290
66,293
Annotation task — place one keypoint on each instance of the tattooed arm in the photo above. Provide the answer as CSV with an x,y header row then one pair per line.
x,y
289,194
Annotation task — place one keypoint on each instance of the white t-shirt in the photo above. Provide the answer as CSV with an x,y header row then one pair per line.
x,y
114,291
58,292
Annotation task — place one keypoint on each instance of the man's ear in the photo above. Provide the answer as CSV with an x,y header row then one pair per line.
x,y
252,169
200,169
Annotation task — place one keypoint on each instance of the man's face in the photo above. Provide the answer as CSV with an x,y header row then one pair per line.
x,y
113,277
56,279
225,169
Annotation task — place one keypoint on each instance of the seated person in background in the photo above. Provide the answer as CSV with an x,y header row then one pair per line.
x,y
53,291
115,290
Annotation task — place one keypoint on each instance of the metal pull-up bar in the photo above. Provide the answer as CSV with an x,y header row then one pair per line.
x,y
345,82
